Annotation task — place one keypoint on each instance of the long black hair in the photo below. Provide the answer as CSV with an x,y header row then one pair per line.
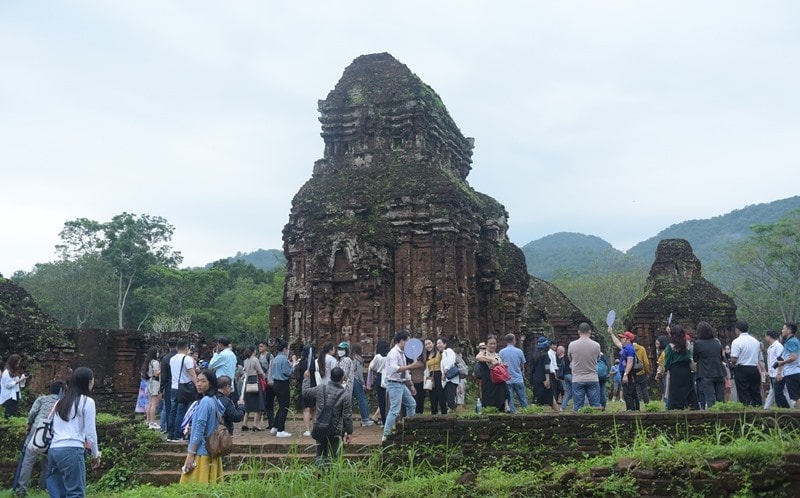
x,y
78,386
678,338
152,354
326,348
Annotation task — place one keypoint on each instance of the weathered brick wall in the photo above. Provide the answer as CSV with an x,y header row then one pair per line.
x,y
534,440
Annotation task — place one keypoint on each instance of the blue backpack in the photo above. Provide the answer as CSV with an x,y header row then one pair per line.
x,y
602,367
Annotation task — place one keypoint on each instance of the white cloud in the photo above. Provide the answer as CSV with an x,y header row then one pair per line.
x,y
610,118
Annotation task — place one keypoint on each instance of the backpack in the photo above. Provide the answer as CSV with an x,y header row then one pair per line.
x,y
638,366
602,367
324,425
219,443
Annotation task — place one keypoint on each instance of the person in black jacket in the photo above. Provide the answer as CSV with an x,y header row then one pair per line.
x,y
232,412
166,382
340,399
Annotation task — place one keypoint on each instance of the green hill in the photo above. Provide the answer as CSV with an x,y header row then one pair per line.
x,y
575,252
567,251
709,238
264,259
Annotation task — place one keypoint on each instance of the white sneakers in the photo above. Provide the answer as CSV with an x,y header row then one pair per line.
x,y
273,431
307,433
283,434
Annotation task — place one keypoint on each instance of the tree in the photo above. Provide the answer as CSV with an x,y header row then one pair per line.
x,y
766,272
610,283
130,244
78,293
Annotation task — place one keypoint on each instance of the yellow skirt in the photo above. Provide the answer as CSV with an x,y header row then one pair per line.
x,y
208,471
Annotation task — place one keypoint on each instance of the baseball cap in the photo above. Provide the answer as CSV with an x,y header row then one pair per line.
x,y
627,335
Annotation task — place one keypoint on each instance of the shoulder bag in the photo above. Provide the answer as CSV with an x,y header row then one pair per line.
x,y
186,390
324,425
498,374
43,435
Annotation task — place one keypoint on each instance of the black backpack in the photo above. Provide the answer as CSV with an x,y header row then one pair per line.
x,y
324,425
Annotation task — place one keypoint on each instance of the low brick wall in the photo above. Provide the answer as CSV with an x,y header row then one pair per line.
x,y
540,439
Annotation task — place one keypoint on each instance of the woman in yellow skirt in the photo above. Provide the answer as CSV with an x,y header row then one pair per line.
x,y
199,466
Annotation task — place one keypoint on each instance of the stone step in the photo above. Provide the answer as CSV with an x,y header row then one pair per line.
x,y
233,465
162,459
251,448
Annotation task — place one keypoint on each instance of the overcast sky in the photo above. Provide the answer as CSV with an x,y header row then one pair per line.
x,y
614,119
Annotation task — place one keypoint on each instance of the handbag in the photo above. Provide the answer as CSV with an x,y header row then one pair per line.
x,y
43,435
186,390
452,372
219,443
251,387
428,385
498,374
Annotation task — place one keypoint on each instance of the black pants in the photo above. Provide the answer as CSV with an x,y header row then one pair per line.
x,y
629,393
777,389
748,385
281,388
11,406
328,450
450,395
438,399
269,405
380,393
420,397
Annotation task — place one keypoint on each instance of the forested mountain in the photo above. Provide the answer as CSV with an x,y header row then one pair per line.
x,y
709,238
568,252
264,259
577,253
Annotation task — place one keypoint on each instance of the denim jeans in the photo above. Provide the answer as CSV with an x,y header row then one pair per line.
x,y
178,412
166,409
66,472
567,390
603,400
363,408
583,390
398,395
518,389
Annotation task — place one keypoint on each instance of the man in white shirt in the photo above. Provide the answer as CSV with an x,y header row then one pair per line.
x,y
745,354
182,369
774,351
399,387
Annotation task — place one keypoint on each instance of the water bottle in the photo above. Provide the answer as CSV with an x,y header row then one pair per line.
x,y
478,407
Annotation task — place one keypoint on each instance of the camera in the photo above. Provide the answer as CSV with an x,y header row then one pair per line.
x,y
775,365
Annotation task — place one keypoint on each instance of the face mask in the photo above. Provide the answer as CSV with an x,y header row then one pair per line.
x,y
341,352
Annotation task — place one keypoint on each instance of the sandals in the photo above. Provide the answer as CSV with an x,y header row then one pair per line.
x,y
245,428
256,429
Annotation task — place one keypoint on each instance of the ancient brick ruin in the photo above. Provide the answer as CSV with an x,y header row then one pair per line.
x,y
676,285
388,234
549,312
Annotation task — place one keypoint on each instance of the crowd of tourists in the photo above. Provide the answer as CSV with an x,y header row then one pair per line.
x,y
187,398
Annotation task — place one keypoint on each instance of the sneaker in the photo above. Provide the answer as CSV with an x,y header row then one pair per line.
x,y
367,423
307,433
174,440
273,431
383,439
283,434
